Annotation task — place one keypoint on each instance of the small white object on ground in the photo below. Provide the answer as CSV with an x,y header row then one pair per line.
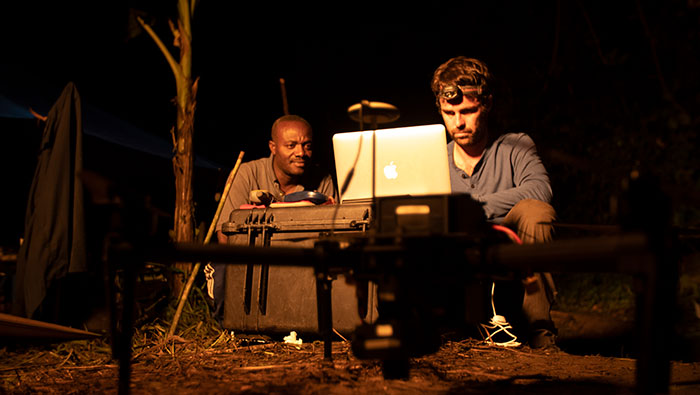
x,y
292,338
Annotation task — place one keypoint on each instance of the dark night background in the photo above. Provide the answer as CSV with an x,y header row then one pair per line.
x,y
602,87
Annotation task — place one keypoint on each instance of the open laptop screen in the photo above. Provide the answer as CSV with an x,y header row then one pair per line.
x,y
407,161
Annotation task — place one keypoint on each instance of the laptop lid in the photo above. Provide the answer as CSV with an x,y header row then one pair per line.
x,y
407,161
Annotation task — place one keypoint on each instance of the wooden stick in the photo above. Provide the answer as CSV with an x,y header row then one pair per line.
x,y
212,228
37,115
341,336
266,367
285,105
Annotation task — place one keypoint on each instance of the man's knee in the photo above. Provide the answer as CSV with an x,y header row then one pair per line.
x,y
533,210
532,219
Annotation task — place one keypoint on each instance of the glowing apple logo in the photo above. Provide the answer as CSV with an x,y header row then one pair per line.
x,y
390,171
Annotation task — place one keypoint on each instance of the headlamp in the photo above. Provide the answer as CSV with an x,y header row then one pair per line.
x,y
452,92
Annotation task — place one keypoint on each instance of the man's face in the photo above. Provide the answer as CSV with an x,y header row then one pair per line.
x,y
465,121
291,147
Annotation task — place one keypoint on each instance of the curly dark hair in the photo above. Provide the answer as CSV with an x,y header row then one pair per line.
x,y
462,71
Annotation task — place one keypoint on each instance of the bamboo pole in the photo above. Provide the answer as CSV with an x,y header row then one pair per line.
x,y
212,228
285,105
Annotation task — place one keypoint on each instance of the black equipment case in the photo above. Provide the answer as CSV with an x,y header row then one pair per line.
x,y
263,297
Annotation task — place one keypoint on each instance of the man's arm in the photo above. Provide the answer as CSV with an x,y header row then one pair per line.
x,y
529,178
221,238
327,188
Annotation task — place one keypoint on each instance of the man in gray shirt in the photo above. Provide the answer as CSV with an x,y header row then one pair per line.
x,y
288,169
503,172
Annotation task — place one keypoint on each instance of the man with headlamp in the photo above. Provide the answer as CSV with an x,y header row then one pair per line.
x,y
501,170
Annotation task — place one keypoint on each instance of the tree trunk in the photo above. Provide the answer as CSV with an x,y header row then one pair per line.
x,y
183,159
182,168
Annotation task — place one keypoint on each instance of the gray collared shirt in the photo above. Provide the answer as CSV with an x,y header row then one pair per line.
x,y
259,174
509,171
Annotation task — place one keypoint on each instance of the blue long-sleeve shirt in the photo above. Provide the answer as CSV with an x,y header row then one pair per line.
x,y
509,171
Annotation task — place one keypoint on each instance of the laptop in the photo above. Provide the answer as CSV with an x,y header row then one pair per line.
x,y
408,161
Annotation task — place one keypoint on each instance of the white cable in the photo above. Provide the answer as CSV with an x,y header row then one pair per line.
x,y
498,324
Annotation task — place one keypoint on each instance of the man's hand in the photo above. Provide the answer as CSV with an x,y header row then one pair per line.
x,y
221,238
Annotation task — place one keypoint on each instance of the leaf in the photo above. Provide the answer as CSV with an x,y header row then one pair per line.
x,y
133,28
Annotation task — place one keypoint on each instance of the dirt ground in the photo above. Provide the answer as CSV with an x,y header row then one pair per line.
x,y
595,354
250,365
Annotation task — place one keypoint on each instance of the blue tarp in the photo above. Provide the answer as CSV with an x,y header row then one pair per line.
x,y
16,103
10,109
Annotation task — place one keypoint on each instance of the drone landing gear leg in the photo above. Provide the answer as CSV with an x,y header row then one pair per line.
x,y
325,314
